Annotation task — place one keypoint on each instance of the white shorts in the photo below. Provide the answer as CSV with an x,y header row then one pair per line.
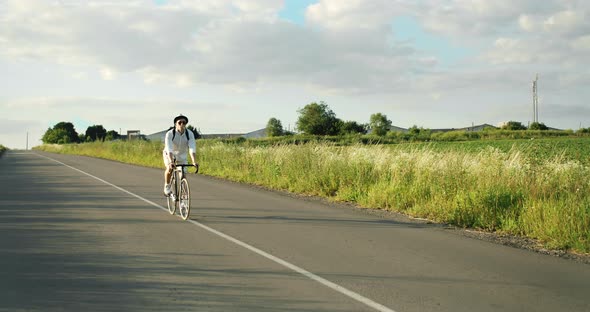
x,y
179,160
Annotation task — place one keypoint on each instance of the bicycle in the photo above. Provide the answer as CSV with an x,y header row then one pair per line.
x,y
180,197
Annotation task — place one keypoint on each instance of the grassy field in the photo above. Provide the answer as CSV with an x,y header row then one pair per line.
x,y
536,188
538,150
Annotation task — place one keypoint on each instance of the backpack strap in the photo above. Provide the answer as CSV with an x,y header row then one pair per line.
x,y
173,132
185,131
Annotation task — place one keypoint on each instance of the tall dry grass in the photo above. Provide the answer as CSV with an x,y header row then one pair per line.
x,y
491,190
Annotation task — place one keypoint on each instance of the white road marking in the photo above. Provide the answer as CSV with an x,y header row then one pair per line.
x,y
321,280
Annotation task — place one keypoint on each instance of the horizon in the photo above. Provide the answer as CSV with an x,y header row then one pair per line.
x,y
230,66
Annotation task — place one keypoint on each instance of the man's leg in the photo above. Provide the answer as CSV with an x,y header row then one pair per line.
x,y
167,174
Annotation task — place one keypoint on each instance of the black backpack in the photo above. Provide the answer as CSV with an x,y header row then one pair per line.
x,y
174,133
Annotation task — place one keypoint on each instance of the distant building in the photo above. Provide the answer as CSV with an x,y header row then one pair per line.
x,y
158,136
397,129
392,128
472,128
221,135
478,127
475,128
135,135
261,133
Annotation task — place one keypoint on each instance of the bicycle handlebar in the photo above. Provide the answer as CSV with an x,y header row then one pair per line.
x,y
187,165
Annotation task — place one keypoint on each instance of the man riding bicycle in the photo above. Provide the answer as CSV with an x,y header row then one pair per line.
x,y
177,142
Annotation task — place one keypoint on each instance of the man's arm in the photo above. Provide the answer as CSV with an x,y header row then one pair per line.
x,y
168,149
192,146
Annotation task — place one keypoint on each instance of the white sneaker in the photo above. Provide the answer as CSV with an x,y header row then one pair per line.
x,y
167,190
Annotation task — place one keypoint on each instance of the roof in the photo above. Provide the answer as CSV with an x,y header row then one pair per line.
x,y
157,136
472,128
260,133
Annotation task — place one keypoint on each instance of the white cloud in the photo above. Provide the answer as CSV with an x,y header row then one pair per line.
x,y
508,50
527,23
495,18
355,14
79,75
566,22
582,43
261,9
107,73
345,50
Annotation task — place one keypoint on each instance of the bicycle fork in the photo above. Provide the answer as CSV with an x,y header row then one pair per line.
x,y
176,190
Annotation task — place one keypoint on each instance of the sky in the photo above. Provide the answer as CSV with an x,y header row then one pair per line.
x,y
232,65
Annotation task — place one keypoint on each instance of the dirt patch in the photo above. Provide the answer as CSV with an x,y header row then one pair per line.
x,y
525,243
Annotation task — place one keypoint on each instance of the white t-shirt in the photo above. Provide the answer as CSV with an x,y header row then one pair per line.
x,y
181,145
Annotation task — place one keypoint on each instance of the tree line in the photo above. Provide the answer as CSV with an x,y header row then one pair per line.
x,y
319,119
64,133
314,119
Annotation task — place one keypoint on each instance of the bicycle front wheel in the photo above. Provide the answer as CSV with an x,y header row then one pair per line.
x,y
184,204
171,199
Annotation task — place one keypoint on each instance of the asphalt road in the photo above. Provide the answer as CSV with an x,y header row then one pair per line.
x,y
84,234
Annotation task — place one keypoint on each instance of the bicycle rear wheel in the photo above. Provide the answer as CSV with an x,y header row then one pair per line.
x,y
184,203
171,199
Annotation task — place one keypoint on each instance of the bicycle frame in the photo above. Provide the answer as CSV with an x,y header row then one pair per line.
x,y
178,173
180,196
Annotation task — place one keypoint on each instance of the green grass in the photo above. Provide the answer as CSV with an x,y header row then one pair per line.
x,y
566,148
536,188
406,137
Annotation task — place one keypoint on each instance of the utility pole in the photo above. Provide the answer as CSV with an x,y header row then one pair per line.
x,y
535,100
27,146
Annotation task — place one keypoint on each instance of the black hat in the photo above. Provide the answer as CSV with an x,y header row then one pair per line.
x,y
180,117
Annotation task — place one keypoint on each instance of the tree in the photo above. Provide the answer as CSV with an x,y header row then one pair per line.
x,y
274,128
69,129
513,125
111,135
52,136
351,127
419,131
96,132
538,126
379,124
317,119
414,130
61,133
